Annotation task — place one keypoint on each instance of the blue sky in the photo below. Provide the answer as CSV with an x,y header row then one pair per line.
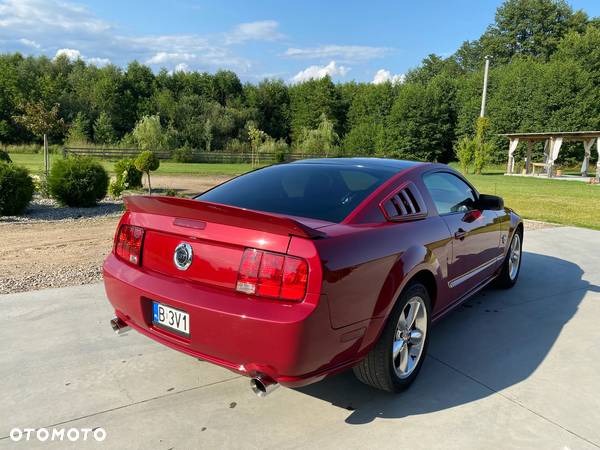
x,y
364,41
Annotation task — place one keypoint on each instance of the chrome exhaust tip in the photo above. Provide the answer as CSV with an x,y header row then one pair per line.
x,y
263,386
119,326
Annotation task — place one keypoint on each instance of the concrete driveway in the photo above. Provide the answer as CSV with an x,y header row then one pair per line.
x,y
509,369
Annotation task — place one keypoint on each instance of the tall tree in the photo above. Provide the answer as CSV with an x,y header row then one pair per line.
x,y
104,133
310,100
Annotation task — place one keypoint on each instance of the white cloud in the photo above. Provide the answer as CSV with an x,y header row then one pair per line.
x,y
263,30
59,25
73,55
317,72
40,14
165,58
29,43
181,67
383,76
344,53
99,62
70,53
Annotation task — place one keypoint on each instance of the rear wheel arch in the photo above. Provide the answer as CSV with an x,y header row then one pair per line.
x,y
427,279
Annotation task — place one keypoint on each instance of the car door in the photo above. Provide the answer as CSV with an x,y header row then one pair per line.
x,y
475,233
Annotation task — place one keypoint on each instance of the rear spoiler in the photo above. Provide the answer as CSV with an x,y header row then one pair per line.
x,y
184,208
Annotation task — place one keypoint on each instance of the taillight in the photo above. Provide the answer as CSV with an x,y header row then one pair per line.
x,y
272,275
128,244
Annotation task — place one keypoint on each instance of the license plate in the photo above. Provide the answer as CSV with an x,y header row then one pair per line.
x,y
171,318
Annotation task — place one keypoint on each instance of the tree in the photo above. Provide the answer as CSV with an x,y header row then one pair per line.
x,y
104,133
530,28
147,162
78,131
465,152
321,140
271,100
362,139
148,133
40,120
257,137
421,122
309,101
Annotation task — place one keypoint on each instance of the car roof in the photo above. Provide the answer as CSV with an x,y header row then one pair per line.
x,y
373,163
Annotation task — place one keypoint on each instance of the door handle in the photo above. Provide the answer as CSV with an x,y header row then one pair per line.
x,y
460,234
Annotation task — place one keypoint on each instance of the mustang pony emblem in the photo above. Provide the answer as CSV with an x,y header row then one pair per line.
x,y
183,256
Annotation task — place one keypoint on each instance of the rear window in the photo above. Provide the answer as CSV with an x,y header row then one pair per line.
x,y
325,192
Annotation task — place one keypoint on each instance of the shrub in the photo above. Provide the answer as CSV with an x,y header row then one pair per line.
x,y
40,185
184,154
147,162
77,181
128,174
4,157
16,189
128,177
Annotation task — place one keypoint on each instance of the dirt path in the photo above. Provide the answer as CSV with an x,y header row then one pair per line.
x,y
53,254
36,254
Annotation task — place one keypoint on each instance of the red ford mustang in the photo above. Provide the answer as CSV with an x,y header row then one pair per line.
x,y
297,271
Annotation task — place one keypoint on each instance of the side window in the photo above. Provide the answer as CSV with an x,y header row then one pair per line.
x,y
449,193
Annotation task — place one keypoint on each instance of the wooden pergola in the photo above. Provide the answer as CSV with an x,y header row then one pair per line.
x,y
552,144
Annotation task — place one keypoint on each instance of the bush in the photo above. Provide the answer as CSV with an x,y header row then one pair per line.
x,y
16,189
184,154
77,181
128,177
4,157
128,174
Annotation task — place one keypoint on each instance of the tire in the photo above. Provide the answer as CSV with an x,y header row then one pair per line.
x,y
380,369
509,274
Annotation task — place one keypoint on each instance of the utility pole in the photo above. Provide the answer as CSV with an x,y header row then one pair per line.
x,y
485,83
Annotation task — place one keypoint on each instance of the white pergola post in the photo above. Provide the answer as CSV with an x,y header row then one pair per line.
x,y
547,147
587,146
512,146
554,151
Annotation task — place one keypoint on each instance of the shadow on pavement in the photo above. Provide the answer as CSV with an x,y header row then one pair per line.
x,y
495,340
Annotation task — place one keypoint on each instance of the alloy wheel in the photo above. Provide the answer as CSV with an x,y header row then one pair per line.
x,y
409,338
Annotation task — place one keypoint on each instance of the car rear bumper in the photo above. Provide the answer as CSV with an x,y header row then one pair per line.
x,y
292,343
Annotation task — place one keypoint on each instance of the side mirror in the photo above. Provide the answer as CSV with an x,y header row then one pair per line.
x,y
490,202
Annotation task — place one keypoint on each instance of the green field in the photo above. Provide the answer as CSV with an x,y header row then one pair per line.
x,y
35,163
563,202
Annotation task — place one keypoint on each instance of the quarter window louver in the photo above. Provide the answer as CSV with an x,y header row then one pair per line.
x,y
404,204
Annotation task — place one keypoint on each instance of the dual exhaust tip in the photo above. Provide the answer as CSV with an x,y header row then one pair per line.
x,y
261,385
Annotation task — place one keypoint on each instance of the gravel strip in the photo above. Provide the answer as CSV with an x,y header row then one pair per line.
x,y
538,225
45,209
65,276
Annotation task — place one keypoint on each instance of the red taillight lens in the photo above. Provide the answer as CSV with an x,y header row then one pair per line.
x,y
128,245
272,275
295,279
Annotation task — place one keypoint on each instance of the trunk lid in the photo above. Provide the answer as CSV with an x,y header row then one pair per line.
x,y
217,234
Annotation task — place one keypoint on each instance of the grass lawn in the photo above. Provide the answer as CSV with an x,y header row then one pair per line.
x,y
35,163
564,202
